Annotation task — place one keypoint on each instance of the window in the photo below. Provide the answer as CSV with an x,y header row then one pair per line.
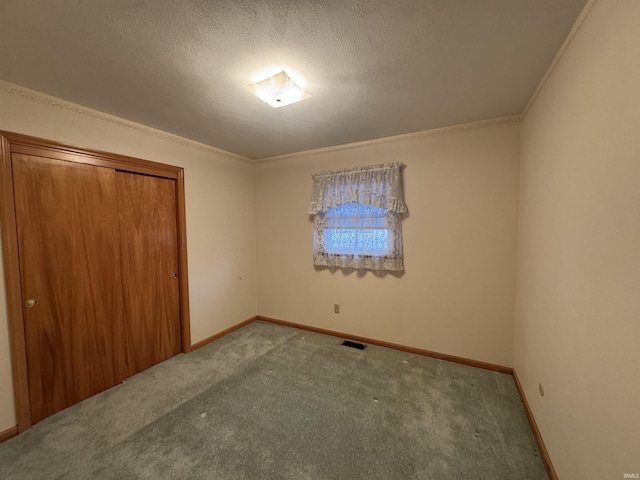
x,y
357,218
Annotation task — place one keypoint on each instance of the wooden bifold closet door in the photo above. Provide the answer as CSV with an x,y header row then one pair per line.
x,y
148,255
98,266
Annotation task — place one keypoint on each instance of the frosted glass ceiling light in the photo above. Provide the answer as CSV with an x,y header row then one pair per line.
x,y
278,90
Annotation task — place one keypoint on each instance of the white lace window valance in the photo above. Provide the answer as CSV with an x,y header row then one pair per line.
x,y
357,218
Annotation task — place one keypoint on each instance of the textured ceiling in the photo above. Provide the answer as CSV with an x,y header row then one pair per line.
x,y
375,68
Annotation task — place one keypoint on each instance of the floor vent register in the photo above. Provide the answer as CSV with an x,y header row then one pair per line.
x,y
349,343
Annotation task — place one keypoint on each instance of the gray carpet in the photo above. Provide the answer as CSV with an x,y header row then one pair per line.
x,y
271,402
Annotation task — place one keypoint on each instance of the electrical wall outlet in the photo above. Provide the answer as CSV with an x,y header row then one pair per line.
x,y
336,308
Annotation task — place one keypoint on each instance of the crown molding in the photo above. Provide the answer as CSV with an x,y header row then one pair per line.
x,y
577,26
54,102
463,127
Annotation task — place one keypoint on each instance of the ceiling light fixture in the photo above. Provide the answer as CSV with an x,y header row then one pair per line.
x,y
278,90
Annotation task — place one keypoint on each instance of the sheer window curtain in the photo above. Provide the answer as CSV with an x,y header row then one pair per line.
x,y
358,218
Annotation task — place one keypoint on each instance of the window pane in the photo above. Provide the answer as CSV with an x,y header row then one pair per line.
x,y
357,229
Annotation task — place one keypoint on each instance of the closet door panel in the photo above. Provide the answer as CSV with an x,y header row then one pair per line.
x,y
149,265
69,264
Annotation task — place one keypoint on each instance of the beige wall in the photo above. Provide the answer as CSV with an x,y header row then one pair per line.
x,y
220,207
7,412
458,293
578,308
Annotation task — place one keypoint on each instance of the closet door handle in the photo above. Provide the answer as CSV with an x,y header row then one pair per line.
x,y
30,303
175,275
